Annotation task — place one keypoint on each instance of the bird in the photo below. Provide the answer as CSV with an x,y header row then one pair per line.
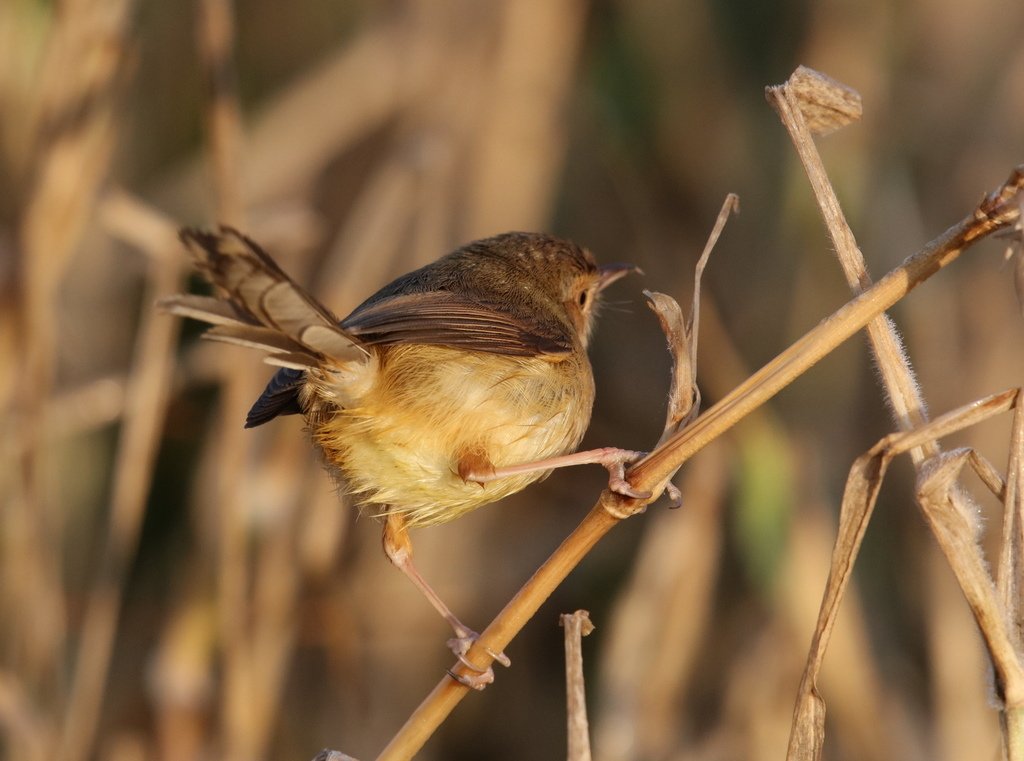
x,y
455,385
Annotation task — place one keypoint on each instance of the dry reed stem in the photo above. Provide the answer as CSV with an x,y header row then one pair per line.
x,y
73,127
902,392
27,735
216,33
352,93
577,626
244,699
523,130
682,335
998,210
1010,572
146,397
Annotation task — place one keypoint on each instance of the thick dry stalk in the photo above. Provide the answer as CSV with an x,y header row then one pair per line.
x,y
998,210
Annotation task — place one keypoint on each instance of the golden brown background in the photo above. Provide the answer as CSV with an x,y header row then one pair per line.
x,y
247,614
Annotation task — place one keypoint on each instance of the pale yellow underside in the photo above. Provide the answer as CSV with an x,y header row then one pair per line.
x,y
396,443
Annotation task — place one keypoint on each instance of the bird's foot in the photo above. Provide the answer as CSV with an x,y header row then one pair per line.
x,y
615,461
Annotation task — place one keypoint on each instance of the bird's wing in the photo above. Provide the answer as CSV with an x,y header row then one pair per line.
x,y
259,306
443,318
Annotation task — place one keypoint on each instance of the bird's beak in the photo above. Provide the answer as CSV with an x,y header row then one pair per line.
x,y
609,273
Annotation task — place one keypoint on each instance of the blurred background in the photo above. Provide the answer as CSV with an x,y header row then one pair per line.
x,y
173,587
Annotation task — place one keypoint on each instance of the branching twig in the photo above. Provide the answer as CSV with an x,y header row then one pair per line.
x,y
862,489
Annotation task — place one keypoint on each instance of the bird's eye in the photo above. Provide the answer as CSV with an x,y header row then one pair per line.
x,y
584,295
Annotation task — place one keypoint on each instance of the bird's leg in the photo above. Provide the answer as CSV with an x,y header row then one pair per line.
x,y
398,548
613,459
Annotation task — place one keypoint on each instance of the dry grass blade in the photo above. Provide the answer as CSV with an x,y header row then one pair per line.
x,y
577,626
957,534
682,393
862,487
998,210
953,521
682,334
731,205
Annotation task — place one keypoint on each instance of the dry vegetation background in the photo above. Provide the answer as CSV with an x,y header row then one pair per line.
x,y
173,587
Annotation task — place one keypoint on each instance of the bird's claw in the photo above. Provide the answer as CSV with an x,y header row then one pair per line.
x,y
481,677
615,464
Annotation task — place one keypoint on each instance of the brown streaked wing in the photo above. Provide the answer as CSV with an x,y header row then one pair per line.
x,y
443,318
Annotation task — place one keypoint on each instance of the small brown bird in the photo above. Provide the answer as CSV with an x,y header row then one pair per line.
x,y
456,385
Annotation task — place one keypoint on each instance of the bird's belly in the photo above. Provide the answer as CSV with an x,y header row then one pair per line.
x,y
432,409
